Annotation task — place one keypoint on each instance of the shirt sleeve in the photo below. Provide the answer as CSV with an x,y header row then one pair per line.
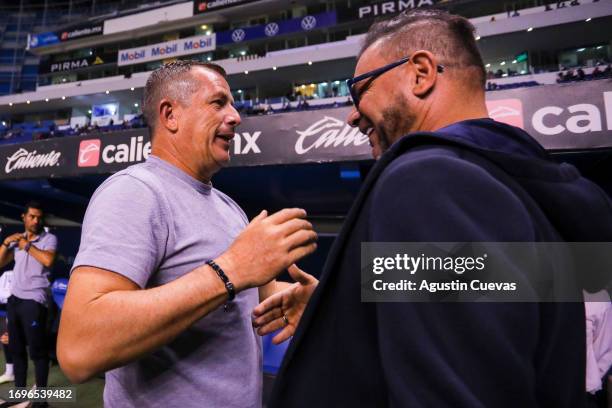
x,y
50,244
124,230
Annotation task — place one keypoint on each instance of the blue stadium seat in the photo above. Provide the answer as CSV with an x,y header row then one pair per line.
x,y
25,137
29,70
58,289
272,354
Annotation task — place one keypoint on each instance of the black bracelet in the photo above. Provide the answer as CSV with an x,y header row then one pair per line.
x,y
228,285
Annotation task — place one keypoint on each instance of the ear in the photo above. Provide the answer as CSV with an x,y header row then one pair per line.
x,y
168,114
426,66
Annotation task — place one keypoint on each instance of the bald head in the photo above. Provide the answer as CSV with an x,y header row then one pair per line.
x,y
449,37
172,81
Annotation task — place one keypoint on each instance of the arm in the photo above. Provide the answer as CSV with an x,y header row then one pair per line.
x,y
271,288
46,258
6,254
130,318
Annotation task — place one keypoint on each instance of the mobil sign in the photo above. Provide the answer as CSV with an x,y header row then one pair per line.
x,y
168,49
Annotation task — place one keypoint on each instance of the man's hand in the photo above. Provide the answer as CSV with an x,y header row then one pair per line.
x,y
267,246
289,303
22,243
12,238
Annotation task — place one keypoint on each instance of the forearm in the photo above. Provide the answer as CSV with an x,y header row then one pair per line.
x,y
44,257
5,256
271,288
121,326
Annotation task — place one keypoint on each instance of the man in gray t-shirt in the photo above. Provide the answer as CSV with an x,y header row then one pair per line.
x,y
34,253
169,268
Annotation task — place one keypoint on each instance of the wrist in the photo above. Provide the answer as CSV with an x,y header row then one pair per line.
x,y
228,264
229,286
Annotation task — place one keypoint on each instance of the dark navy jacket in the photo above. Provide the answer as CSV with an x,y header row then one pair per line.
x,y
476,180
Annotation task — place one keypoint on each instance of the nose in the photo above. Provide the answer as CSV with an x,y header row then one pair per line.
x,y
353,118
233,118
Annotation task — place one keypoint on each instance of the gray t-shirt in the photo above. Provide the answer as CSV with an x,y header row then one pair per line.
x,y
153,223
30,277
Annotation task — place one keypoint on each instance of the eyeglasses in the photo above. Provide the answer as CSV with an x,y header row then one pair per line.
x,y
376,73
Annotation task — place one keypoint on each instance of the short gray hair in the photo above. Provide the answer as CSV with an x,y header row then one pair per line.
x,y
174,82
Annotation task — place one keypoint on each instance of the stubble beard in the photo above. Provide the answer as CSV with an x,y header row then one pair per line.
x,y
397,122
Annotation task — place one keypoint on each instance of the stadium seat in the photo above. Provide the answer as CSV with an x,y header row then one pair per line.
x,y
272,354
58,289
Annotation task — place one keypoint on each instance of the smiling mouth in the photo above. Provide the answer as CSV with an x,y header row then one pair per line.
x,y
227,138
368,132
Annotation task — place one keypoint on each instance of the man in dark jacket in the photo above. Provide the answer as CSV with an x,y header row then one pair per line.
x,y
456,176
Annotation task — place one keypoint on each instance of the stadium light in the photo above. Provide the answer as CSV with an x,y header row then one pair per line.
x,y
208,58
107,92
477,38
63,97
588,19
246,72
240,91
581,49
530,29
514,61
309,62
488,65
336,82
503,63
273,68
135,105
243,53
132,88
46,99
89,111
28,102
3,123
600,47
10,103
204,27
208,32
